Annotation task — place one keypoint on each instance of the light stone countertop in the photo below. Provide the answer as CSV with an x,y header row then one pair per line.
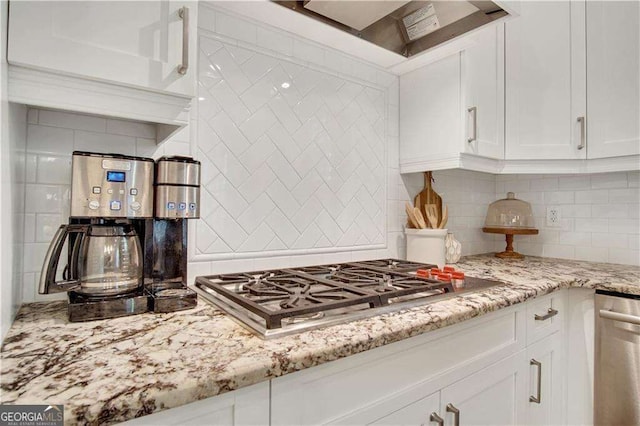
x,y
113,370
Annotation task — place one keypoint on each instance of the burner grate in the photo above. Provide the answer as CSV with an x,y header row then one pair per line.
x,y
308,292
388,285
279,294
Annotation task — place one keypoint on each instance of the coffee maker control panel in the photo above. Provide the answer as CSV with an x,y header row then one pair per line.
x,y
177,188
111,186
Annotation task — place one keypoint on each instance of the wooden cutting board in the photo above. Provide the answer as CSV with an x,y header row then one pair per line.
x,y
428,196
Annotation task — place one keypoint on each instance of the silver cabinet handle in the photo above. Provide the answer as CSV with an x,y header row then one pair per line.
x,y
474,112
550,313
183,13
617,316
583,142
456,414
538,398
434,417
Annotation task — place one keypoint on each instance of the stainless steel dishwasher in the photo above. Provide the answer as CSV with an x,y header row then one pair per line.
x,y
617,359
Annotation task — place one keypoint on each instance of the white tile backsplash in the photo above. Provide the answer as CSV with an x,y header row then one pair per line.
x,y
130,128
235,27
68,120
42,198
297,149
46,226
47,139
52,169
103,142
600,212
599,215
467,195
274,40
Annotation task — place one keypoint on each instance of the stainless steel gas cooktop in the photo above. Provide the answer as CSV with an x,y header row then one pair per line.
x,y
279,302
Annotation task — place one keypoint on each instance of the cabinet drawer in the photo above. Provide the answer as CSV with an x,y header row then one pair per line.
x,y
369,380
545,315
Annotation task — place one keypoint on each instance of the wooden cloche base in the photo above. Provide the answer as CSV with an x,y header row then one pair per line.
x,y
509,253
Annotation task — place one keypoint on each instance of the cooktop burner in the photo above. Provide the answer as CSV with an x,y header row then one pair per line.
x,y
284,301
278,294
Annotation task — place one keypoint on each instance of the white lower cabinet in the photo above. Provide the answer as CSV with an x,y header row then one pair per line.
x,y
479,372
546,382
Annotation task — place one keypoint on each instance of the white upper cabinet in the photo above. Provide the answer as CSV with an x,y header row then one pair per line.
x,y
454,106
545,81
430,113
132,43
483,91
613,78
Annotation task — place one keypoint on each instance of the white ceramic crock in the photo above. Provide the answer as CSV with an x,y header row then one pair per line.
x,y
426,245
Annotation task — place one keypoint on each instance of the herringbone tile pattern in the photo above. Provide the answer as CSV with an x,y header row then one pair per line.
x,y
292,158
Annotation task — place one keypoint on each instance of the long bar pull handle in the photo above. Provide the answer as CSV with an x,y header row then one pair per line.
x,y
434,417
537,398
183,13
474,112
617,316
456,414
550,313
583,142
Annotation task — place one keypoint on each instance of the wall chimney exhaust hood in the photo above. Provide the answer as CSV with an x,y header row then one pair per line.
x,y
403,27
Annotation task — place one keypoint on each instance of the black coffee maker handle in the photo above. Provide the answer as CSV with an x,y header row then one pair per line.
x,y
48,283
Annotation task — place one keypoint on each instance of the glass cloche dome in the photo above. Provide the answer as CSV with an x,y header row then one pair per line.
x,y
509,213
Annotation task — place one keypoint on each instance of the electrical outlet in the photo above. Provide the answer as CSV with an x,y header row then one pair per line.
x,y
553,217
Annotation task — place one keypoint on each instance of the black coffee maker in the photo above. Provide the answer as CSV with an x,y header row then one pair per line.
x,y
127,236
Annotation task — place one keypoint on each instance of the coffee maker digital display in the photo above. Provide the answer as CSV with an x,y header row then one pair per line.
x,y
115,176
126,254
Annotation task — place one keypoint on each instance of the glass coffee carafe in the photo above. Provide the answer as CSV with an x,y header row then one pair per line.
x,y
110,260
106,260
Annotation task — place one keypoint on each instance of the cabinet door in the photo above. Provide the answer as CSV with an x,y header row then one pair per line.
x,y
493,396
483,77
545,81
430,124
546,382
613,82
417,413
137,43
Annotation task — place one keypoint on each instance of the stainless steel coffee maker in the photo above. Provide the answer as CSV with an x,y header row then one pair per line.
x,y
122,259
